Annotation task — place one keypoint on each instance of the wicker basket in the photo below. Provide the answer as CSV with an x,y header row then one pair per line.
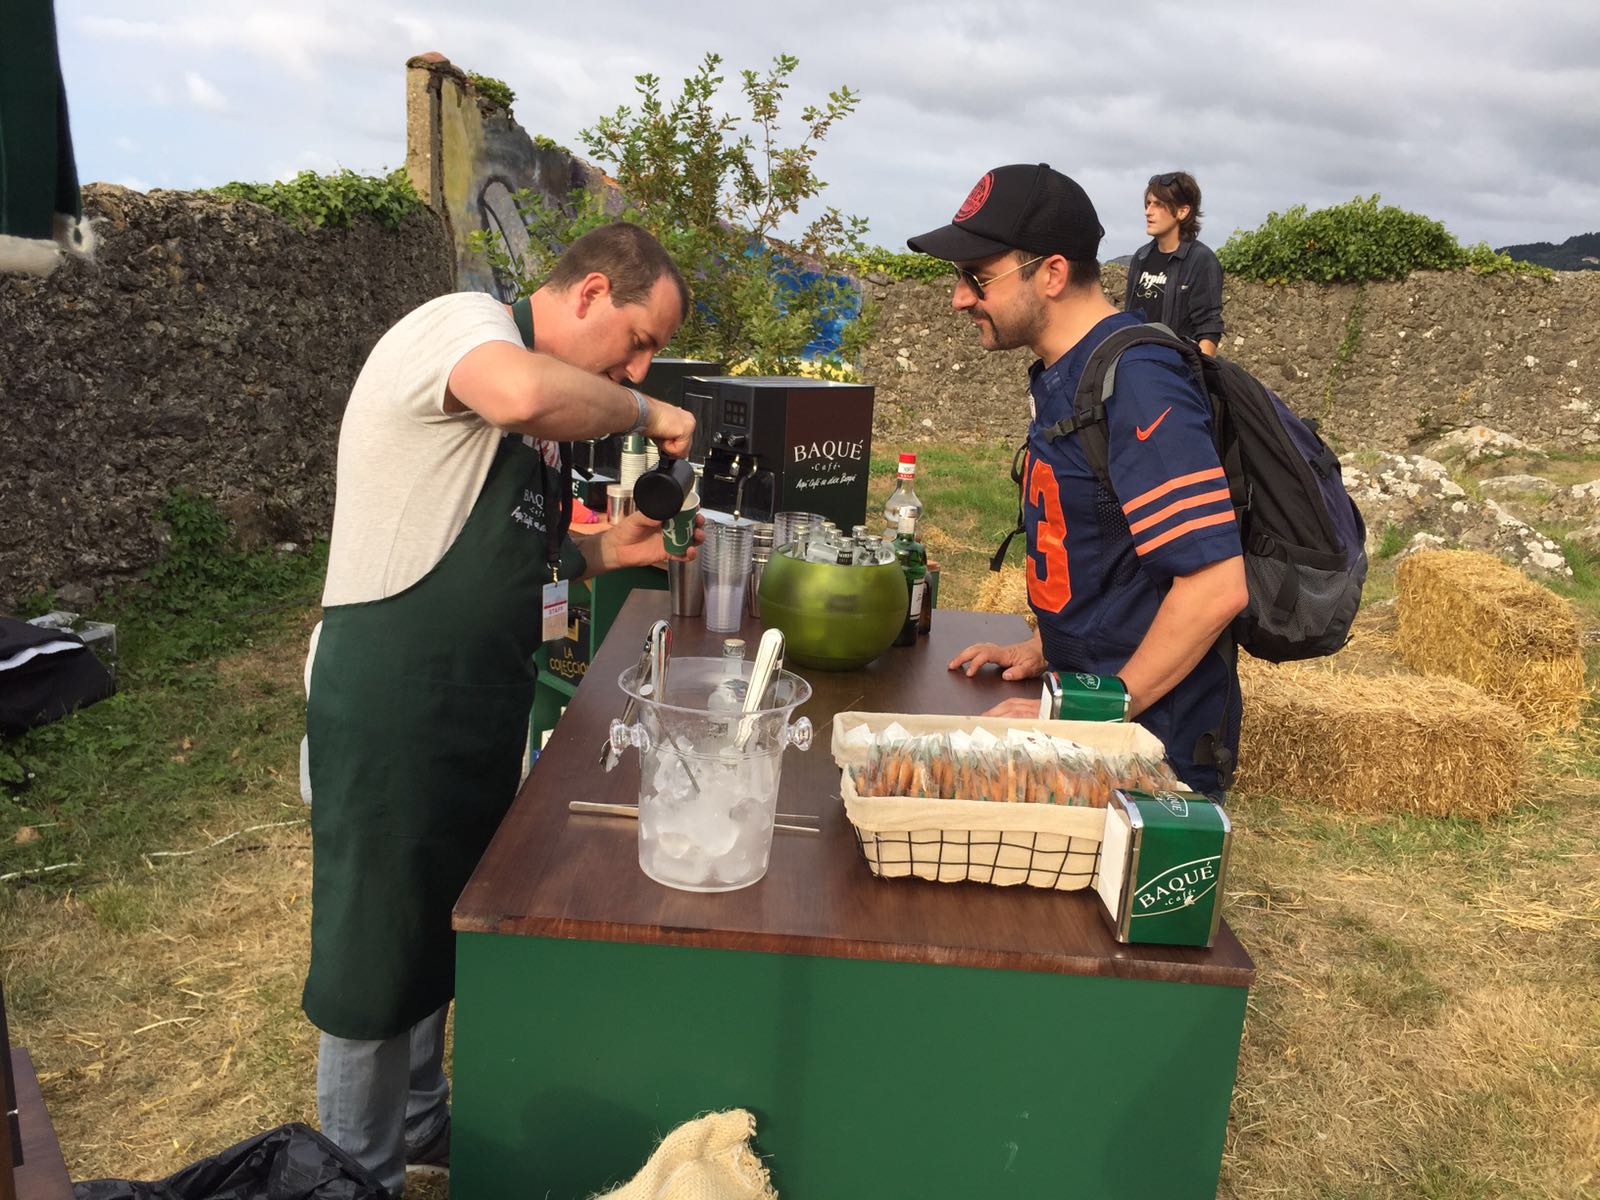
x,y
951,841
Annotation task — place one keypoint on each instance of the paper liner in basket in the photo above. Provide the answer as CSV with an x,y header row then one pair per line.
x,y
950,841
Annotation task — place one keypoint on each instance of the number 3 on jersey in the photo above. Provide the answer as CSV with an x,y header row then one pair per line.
x,y
1051,593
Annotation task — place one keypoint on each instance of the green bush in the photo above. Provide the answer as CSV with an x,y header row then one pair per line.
x,y
1353,243
714,188
898,264
496,91
333,201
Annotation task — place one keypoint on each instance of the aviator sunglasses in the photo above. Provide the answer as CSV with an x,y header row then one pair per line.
x,y
977,285
1174,181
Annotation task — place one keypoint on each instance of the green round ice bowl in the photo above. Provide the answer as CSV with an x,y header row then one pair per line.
x,y
834,618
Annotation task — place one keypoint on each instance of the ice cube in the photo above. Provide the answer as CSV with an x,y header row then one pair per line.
x,y
710,825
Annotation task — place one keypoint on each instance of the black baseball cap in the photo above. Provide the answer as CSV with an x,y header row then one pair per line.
x,y
1018,207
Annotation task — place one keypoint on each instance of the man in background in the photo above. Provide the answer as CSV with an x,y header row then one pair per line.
x,y
1174,279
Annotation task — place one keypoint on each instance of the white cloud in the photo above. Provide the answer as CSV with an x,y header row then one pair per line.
x,y
306,160
204,94
127,144
1474,115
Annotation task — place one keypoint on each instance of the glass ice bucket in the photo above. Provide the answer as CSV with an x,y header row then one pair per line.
x,y
708,773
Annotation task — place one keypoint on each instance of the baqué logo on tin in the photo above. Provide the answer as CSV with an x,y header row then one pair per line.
x,y
1177,887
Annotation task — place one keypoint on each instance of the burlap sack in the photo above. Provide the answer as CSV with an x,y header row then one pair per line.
x,y
709,1158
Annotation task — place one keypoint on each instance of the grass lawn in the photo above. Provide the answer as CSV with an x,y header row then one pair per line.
x,y
1425,1021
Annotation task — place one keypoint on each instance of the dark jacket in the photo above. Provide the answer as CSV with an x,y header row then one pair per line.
x,y
1192,305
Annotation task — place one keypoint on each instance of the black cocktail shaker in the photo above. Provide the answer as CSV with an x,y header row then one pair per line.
x,y
660,491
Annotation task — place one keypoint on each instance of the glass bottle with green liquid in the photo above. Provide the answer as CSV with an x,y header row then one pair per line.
x,y
913,559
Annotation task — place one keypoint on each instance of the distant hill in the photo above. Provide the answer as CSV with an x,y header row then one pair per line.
x,y
1581,252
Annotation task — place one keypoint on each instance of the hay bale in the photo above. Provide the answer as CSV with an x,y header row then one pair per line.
x,y
1379,743
1470,616
1006,592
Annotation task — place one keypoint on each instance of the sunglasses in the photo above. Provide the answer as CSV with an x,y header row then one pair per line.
x,y
977,285
1171,180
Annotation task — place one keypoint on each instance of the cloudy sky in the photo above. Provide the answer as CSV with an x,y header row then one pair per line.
x,y
1486,116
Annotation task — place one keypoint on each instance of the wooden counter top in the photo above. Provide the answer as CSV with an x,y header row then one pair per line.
x,y
550,873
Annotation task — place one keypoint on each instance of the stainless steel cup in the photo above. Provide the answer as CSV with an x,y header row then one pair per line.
x,y
758,564
619,502
687,587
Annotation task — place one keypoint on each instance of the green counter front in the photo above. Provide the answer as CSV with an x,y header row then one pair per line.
x,y
893,1038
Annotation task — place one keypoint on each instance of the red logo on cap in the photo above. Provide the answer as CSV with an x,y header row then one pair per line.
x,y
975,199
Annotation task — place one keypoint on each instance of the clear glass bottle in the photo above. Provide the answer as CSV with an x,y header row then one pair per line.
x,y
821,547
913,559
728,695
903,497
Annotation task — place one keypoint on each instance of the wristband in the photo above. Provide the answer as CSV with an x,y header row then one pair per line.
x,y
1069,696
644,411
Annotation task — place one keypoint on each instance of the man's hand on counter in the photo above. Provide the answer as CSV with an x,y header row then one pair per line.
x,y
1019,660
634,541
1026,707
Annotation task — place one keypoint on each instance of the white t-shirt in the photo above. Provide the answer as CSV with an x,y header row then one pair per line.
x,y
409,472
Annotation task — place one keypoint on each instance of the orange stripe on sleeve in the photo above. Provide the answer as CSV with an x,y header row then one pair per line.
x,y
1171,485
1177,531
1178,506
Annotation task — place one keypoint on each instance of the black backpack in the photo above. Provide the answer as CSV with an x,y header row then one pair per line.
x,y
1304,541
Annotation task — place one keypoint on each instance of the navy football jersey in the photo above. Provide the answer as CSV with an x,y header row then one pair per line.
x,y
1100,559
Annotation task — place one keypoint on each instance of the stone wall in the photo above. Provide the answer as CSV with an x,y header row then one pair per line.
x,y
1433,353
211,345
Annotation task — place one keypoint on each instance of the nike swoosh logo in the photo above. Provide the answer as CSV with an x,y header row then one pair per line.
x,y
1142,434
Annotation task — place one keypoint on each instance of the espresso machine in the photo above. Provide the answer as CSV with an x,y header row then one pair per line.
x,y
770,444
599,462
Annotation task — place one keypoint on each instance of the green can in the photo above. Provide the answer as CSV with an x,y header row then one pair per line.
x,y
1079,696
1163,862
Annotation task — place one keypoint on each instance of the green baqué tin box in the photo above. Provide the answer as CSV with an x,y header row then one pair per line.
x,y
1163,862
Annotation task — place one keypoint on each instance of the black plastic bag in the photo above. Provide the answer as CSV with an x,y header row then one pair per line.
x,y
37,688
292,1162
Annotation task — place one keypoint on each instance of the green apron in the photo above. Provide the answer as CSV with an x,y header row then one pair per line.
x,y
416,725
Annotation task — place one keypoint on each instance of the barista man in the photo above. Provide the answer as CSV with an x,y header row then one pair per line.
x,y
1137,580
450,521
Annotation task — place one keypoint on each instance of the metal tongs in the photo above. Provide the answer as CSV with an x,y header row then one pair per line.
x,y
652,681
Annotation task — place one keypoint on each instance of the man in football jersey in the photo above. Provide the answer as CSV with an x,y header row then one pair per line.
x,y
1139,579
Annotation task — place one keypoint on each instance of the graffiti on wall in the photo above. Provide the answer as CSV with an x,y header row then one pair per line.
x,y
471,162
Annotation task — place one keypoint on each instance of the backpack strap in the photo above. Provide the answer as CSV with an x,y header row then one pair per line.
x,y
1099,380
1210,750
1018,467
1088,419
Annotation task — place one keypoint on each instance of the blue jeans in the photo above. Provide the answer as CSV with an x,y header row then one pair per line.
x,y
376,1100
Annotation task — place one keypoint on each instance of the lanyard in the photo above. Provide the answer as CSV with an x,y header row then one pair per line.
x,y
560,506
